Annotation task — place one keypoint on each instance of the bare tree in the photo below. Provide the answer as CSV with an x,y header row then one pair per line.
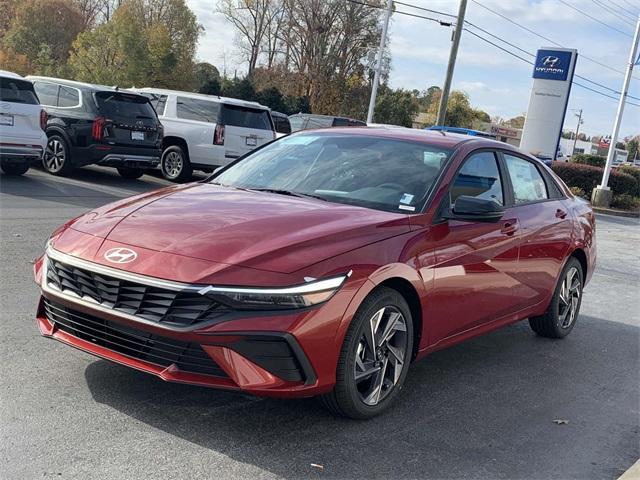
x,y
251,19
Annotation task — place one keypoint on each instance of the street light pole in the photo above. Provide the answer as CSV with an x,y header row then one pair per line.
x,y
453,53
376,76
601,194
575,140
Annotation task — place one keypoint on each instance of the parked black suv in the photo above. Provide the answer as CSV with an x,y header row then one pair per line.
x,y
92,124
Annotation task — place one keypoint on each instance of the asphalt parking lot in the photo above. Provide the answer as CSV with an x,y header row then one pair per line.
x,y
484,409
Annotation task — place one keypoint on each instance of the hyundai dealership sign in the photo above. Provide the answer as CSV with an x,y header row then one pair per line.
x,y
553,74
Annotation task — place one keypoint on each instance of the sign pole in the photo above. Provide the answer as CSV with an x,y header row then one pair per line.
x,y
575,140
602,194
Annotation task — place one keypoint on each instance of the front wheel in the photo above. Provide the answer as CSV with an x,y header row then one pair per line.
x,y
14,168
130,173
562,314
175,164
375,357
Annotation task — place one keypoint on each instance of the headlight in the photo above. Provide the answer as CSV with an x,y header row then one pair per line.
x,y
258,298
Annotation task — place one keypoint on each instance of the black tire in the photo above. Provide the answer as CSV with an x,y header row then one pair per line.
x,y
14,168
130,173
57,156
557,322
347,398
175,165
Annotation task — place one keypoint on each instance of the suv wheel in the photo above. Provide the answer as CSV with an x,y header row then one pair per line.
x,y
175,164
56,159
562,314
14,168
131,173
375,357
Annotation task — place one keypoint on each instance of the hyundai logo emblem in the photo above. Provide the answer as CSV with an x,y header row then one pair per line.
x,y
550,61
120,255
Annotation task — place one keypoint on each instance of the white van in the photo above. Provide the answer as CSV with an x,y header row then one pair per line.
x,y
22,124
202,132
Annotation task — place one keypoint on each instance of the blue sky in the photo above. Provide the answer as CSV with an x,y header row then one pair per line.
x,y
495,81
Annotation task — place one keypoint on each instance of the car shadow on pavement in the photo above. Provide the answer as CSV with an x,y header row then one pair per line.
x,y
482,409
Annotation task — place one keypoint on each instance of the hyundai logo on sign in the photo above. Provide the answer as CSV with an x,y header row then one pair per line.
x,y
552,65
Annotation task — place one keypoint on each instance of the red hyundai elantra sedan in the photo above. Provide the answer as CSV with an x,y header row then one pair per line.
x,y
322,264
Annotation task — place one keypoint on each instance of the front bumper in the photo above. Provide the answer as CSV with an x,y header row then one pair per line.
x,y
246,354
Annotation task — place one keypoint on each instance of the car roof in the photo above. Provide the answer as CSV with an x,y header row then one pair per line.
x,y
432,137
203,96
279,114
8,74
73,83
317,115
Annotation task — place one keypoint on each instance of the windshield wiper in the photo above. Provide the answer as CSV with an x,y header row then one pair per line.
x,y
280,191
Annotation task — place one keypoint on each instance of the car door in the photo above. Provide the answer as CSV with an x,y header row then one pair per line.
x,y
195,120
475,264
545,224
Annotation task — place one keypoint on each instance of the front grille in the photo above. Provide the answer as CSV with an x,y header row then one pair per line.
x,y
169,307
134,343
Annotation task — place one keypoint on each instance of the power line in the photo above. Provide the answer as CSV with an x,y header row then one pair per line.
x,y
441,22
635,14
426,9
553,42
595,19
620,16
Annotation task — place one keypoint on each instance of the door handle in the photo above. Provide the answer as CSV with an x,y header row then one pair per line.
x,y
560,213
509,228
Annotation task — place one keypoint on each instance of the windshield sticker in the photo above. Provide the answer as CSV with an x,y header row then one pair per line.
x,y
407,207
406,198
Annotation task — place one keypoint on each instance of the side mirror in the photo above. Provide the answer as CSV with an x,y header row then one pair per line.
x,y
475,209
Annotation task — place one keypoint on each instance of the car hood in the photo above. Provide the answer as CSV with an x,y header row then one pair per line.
x,y
229,226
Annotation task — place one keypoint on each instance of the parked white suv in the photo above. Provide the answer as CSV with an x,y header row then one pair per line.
x,y
22,124
203,132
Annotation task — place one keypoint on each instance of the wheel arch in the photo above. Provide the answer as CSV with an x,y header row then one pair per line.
x,y
172,141
409,293
57,130
581,256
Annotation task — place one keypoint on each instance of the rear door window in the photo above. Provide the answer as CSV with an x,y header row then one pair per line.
x,y
47,93
239,116
479,177
282,124
68,97
15,90
158,102
124,106
196,109
528,184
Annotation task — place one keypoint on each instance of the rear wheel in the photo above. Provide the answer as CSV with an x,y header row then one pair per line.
x,y
57,158
562,314
14,168
375,357
131,173
175,164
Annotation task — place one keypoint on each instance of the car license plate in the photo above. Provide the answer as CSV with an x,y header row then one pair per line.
x,y
137,135
252,141
6,120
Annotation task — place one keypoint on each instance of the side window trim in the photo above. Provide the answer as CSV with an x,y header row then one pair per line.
x,y
77,90
544,177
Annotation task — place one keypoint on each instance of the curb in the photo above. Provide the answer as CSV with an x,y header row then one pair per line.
x,y
617,213
633,473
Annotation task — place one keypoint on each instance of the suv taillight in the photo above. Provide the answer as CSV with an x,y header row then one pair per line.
x,y
218,135
97,129
43,119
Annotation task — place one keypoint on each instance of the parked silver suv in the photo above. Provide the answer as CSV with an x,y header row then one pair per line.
x,y
202,132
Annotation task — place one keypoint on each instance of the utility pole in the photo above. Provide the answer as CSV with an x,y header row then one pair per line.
x,y
453,53
575,140
376,76
601,194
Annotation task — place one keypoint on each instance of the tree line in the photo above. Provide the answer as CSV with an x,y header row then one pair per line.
x,y
300,55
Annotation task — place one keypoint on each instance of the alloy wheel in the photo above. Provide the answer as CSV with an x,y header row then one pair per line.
x,y
54,156
173,164
380,355
569,297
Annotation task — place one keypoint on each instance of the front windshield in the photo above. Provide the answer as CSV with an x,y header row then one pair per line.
x,y
368,171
